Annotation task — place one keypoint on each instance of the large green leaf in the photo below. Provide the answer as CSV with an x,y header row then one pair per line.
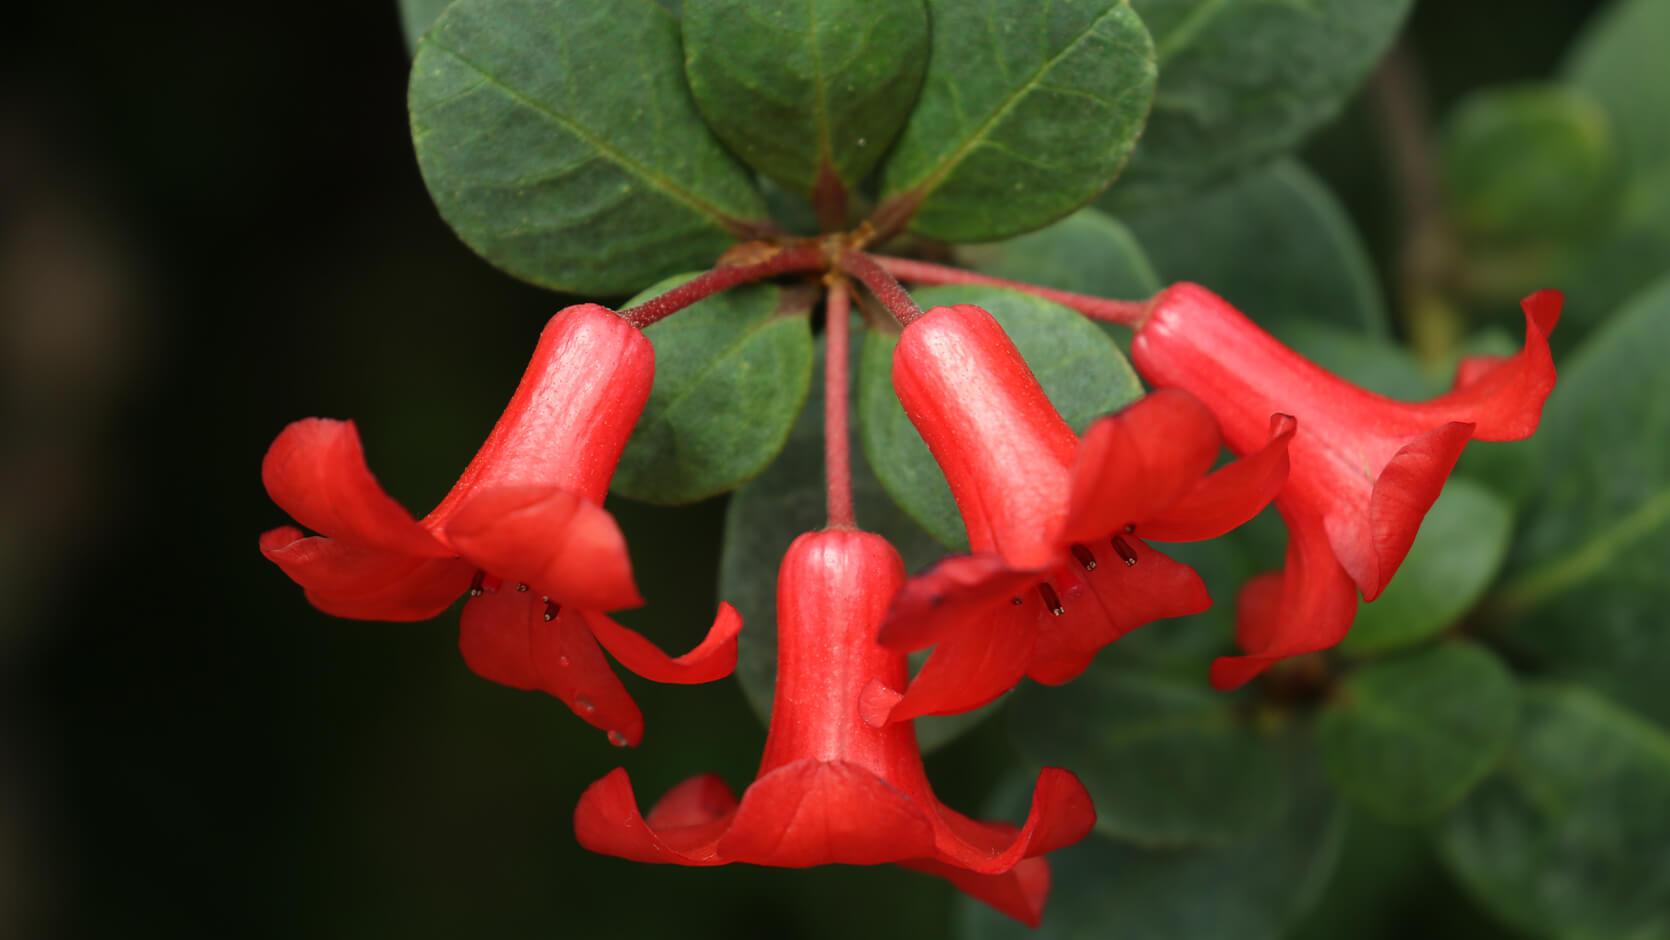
x,y
731,373
768,513
1028,110
558,139
1620,62
1242,81
1572,838
1587,590
1252,890
1409,737
1167,762
1276,243
415,17
1080,368
799,88
1462,543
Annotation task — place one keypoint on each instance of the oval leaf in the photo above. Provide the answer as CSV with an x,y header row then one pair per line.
x,y
1569,839
1409,737
1167,762
731,373
1243,81
1081,370
1252,890
767,514
559,141
1276,243
1028,110
808,92
1587,589
1462,543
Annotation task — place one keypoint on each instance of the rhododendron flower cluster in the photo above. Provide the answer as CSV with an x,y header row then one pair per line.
x,y
1062,558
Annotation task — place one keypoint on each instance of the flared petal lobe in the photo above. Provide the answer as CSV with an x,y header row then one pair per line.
x,y
366,583
555,541
1137,462
1002,446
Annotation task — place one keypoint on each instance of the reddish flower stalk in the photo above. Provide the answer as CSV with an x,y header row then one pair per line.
x,y
1057,523
778,260
831,789
883,285
836,441
1365,468
1123,312
523,531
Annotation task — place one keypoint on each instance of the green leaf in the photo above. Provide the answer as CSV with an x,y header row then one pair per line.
x,y
559,141
1276,243
1569,839
731,373
808,87
1089,252
1080,368
1243,81
1461,545
774,508
415,17
1587,590
1527,164
1252,890
1028,110
1409,737
1167,762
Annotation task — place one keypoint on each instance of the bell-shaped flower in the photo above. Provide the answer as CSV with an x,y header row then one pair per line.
x,y
1365,468
1056,524
831,788
523,531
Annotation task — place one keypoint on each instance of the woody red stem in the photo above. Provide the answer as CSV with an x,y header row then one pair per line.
x,y
836,440
793,258
883,285
1124,312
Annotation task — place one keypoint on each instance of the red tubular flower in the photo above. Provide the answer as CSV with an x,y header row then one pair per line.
x,y
1057,570
527,512
831,788
1365,469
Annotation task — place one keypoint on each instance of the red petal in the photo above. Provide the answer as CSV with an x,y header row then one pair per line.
x,y
550,539
1019,892
1137,462
941,600
505,637
1104,604
1061,815
316,472
1403,493
1309,609
607,821
1505,401
812,812
1229,496
366,583
713,659
984,658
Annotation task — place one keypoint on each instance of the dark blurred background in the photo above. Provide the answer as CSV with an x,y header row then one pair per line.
x,y
211,224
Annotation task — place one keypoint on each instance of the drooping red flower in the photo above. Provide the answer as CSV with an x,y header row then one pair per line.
x,y
1056,524
523,530
1365,468
831,788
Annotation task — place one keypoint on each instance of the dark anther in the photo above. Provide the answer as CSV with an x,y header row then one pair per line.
x,y
475,583
551,611
1130,527
1085,558
522,587
1125,551
1016,600
1051,600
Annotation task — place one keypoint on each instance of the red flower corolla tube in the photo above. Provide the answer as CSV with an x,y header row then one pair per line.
x,y
1365,469
831,788
1056,524
523,531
